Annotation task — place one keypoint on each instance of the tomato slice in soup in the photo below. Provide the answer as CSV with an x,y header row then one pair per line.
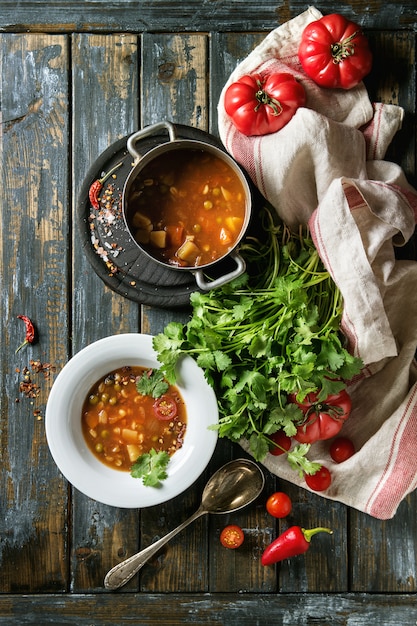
x,y
165,408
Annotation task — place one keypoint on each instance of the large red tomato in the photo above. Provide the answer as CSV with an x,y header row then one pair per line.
x,y
334,52
322,419
259,105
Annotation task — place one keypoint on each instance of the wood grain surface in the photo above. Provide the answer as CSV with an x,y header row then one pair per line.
x,y
76,77
190,16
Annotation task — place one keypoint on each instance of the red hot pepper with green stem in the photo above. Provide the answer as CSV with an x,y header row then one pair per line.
x,y
30,331
292,542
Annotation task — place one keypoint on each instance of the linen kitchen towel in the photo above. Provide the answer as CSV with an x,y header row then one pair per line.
x,y
325,168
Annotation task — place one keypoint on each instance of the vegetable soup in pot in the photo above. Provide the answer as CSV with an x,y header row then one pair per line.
x,y
120,423
186,208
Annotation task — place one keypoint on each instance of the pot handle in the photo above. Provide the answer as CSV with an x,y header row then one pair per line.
x,y
222,280
149,130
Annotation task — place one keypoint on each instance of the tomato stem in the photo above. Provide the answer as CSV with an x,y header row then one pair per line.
x,y
343,49
264,98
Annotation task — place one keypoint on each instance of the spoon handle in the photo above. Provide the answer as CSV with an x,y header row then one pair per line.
x,y
121,573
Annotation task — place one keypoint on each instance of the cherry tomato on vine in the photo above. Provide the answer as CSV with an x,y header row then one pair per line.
x,y
334,52
232,537
341,449
281,443
320,481
279,504
323,419
165,408
259,105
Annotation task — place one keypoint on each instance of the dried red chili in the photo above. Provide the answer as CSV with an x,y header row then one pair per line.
x,y
97,186
30,331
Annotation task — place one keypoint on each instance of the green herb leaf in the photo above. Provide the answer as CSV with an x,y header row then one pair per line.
x,y
258,446
299,462
284,419
151,467
152,383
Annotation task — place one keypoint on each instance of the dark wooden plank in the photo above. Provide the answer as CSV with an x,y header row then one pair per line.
x,y
105,108
173,87
33,262
175,75
174,16
392,80
174,79
212,609
383,554
241,571
325,567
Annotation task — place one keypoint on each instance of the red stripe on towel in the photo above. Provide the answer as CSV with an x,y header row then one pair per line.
x,y
401,468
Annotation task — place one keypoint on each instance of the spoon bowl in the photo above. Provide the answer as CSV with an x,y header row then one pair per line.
x,y
235,485
232,487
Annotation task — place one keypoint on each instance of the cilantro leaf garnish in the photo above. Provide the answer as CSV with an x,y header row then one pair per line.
x,y
152,383
151,467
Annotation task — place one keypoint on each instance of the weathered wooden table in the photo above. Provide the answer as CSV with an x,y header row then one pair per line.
x,y
76,77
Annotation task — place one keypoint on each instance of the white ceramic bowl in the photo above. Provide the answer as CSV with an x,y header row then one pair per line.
x,y
70,451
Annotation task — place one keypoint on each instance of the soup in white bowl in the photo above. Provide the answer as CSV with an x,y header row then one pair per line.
x,y
74,457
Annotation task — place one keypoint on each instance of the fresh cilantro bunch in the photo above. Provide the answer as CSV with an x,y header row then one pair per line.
x,y
273,331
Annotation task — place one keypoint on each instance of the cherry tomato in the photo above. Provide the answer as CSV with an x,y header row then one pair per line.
x,y
232,537
165,408
334,52
282,443
279,504
341,449
259,104
320,481
322,419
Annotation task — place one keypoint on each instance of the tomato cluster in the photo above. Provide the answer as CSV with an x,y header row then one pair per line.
x,y
321,420
278,505
333,52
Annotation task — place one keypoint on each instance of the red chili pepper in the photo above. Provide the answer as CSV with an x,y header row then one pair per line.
x,y
30,331
97,186
294,541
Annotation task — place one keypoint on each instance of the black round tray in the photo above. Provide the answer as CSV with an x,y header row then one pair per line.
x,y
115,258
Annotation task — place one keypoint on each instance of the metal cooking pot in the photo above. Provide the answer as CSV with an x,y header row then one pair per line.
x,y
172,145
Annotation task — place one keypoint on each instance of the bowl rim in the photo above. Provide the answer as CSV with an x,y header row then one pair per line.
x,y
70,451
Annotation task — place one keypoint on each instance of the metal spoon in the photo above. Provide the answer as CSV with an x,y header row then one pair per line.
x,y
232,487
